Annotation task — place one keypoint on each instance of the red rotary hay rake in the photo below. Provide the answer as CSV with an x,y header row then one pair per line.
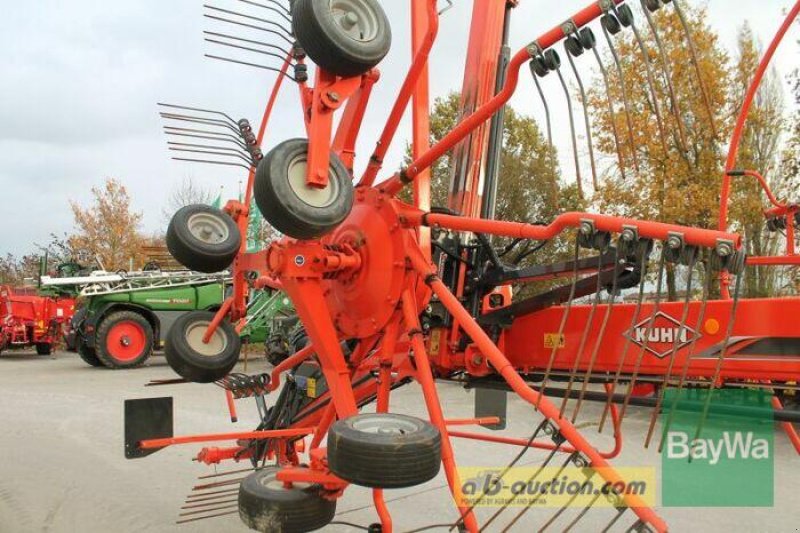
x,y
391,292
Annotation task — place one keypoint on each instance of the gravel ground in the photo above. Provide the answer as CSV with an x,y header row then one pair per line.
x,y
64,469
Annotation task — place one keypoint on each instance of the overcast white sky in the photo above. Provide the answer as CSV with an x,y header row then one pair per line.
x,y
80,82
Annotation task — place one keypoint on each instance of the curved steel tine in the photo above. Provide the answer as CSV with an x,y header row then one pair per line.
x,y
530,480
284,13
535,499
587,121
626,346
689,355
505,471
673,353
569,502
548,121
211,152
612,297
625,97
693,55
578,176
246,48
249,41
564,319
233,122
582,513
248,64
651,84
621,511
209,147
584,337
720,360
187,132
211,162
667,71
199,120
251,26
546,108
612,113
645,344
248,17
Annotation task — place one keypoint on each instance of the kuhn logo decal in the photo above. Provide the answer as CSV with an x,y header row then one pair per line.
x,y
662,336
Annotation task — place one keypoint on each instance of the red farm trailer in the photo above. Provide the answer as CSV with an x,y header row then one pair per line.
x,y
27,319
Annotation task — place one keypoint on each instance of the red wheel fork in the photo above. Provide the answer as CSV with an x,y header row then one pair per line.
x,y
425,379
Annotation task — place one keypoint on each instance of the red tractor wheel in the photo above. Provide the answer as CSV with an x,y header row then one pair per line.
x,y
124,340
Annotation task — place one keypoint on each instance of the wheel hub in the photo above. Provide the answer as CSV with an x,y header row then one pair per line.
x,y
363,301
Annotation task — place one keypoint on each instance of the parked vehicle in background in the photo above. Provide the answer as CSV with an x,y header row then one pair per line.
x,y
28,319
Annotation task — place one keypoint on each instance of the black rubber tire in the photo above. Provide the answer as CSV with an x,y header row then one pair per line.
x,y
195,254
330,47
387,460
44,348
269,507
192,365
89,355
281,206
101,340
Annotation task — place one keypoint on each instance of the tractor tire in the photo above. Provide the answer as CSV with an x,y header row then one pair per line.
x,y
266,505
124,340
203,238
89,355
43,348
289,204
384,450
196,361
345,37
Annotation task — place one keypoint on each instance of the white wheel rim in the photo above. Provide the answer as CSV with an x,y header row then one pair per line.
x,y
208,228
319,198
383,425
356,19
194,338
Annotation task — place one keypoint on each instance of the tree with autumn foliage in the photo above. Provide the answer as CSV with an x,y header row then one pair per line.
x,y
674,165
108,229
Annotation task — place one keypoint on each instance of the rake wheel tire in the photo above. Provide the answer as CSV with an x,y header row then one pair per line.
x,y
266,505
89,355
196,361
43,348
291,206
384,450
344,37
124,340
203,238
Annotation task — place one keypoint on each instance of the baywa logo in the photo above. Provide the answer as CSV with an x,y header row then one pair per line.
x,y
732,445
661,337
724,458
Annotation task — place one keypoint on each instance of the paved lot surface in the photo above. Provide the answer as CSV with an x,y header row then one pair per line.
x,y
63,469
